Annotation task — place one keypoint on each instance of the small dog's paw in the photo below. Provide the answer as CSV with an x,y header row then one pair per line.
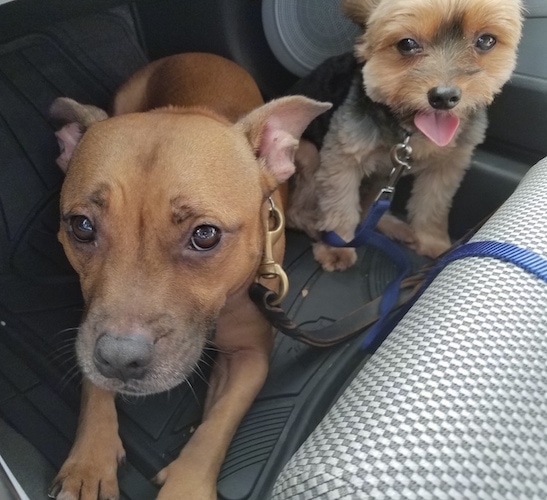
x,y
332,258
396,229
430,245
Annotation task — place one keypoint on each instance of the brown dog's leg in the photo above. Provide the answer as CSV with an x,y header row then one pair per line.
x,y
244,340
90,471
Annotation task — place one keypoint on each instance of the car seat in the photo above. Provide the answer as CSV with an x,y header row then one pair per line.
x,y
453,404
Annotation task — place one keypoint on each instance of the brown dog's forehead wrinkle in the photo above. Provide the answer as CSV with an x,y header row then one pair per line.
x,y
99,196
180,210
195,157
194,152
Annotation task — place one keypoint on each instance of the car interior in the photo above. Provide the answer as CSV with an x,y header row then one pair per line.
x,y
472,347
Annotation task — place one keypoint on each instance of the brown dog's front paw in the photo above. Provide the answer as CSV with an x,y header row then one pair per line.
x,y
183,483
334,259
77,484
92,479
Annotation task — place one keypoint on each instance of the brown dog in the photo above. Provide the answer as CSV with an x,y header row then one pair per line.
x,y
163,216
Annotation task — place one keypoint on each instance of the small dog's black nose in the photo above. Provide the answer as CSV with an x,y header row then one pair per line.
x,y
123,357
444,97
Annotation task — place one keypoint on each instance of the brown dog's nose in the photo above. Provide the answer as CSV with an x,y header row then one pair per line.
x,y
123,357
444,97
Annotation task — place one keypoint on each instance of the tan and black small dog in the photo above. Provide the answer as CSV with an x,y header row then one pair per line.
x,y
164,215
427,69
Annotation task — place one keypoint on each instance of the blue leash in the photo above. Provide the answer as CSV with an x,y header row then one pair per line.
x,y
527,260
366,234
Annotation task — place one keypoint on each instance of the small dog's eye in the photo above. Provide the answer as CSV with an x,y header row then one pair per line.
x,y
205,238
485,42
408,47
81,228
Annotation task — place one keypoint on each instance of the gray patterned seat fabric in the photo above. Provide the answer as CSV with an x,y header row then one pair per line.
x,y
454,402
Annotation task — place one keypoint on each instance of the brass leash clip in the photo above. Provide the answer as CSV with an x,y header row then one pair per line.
x,y
269,268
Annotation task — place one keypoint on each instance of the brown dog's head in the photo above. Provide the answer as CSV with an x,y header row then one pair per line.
x,y
162,216
434,62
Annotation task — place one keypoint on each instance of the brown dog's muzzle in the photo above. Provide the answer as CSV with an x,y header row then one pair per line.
x,y
123,357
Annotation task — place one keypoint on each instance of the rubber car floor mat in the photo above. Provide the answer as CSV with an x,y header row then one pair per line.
x,y
41,304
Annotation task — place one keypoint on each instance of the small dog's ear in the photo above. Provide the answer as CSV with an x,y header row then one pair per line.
x,y
359,10
274,131
73,119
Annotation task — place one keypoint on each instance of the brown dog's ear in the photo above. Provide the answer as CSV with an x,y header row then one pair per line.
x,y
274,130
73,118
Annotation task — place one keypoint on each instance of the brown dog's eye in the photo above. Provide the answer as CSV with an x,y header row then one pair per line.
x,y
81,228
485,42
205,238
408,47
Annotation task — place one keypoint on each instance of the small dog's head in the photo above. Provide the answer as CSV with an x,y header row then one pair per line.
x,y
436,61
163,216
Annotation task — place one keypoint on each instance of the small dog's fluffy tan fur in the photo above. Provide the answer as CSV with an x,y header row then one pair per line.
x,y
448,33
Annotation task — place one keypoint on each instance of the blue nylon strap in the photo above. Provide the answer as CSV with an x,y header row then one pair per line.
x,y
521,257
366,235
392,290
525,259
362,232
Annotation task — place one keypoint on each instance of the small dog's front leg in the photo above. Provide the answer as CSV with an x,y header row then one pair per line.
x,y
302,207
396,229
239,372
430,203
90,471
338,181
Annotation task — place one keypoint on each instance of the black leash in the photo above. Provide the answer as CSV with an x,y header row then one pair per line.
x,y
339,331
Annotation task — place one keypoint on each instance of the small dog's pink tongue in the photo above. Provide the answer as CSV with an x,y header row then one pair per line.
x,y
439,126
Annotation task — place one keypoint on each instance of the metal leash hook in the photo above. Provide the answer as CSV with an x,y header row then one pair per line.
x,y
400,158
269,268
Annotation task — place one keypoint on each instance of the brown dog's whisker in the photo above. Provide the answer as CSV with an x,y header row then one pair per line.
x,y
69,377
188,383
198,371
62,355
66,330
